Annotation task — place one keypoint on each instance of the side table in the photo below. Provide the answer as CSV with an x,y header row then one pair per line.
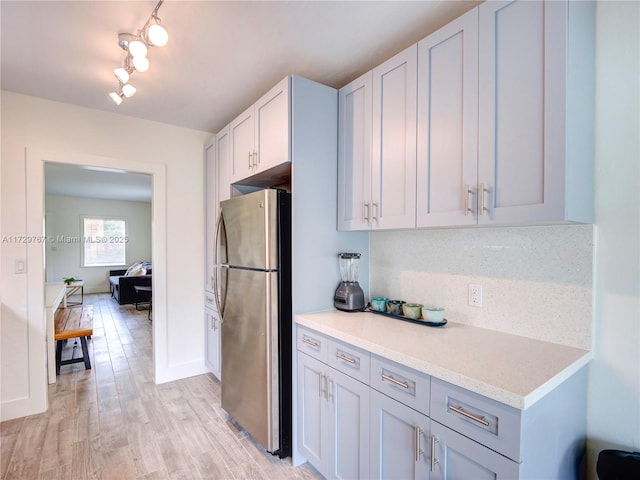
x,y
147,289
75,288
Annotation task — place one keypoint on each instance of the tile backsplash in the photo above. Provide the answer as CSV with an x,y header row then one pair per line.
x,y
536,281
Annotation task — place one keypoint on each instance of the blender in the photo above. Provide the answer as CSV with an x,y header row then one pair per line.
x,y
349,296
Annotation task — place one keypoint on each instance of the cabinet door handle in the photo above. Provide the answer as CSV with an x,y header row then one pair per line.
x,y
323,387
250,160
459,410
466,193
418,434
396,381
481,205
433,461
347,359
329,389
374,208
365,212
311,343
256,159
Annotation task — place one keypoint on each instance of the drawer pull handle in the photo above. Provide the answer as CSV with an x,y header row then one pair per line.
x,y
342,356
460,410
397,382
311,343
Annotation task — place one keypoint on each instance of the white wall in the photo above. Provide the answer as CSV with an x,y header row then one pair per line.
x,y
68,132
614,374
63,221
536,281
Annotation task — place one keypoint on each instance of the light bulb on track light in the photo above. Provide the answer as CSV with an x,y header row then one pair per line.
x,y
116,98
141,64
128,90
137,48
121,74
157,35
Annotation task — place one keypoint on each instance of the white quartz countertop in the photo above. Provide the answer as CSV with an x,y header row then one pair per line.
x,y
511,369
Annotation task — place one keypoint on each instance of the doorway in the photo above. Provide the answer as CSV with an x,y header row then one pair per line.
x,y
37,162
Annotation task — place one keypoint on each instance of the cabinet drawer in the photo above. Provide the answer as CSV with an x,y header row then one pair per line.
x,y
312,343
406,385
491,423
349,360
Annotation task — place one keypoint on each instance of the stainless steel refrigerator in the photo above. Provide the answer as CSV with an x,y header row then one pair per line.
x,y
253,257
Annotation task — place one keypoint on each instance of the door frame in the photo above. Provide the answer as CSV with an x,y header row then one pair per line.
x,y
35,216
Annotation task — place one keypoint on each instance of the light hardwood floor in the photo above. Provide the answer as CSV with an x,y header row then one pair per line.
x,y
113,422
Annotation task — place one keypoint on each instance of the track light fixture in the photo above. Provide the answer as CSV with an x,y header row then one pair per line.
x,y
136,47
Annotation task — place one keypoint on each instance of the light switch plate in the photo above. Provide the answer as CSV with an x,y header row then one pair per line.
x,y
21,266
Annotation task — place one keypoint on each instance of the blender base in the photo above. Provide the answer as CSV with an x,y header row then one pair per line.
x,y
349,297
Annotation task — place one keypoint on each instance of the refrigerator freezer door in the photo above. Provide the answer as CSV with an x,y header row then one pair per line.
x,y
250,354
251,229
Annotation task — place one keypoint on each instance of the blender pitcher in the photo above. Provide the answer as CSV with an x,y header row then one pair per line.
x,y
349,296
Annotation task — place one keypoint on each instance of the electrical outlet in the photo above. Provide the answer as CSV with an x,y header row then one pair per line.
x,y
475,295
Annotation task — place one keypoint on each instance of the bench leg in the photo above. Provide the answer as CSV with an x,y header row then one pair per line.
x,y
85,353
59,344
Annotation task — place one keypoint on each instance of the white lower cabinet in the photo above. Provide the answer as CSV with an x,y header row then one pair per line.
x,y
333,418
398,423
399,440
456,457
212,338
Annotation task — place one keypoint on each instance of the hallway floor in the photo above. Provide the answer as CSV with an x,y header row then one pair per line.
x,y
113,422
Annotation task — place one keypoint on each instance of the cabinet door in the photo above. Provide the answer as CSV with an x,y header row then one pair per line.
x,y
354,154
210,210
242,158
212,345
393,172
447,166
222,159
312,424
272,127
349,416
456,457
521,111
399,440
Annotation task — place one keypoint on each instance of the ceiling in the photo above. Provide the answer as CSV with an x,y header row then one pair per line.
x,y
221,57
93,182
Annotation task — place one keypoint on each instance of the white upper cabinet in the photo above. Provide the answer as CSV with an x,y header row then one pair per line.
x,y
210,209
536,95
377,147
447,168
260,135
354,154
222,157
393,169
504,131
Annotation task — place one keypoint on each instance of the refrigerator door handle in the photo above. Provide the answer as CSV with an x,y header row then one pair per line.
x,y
220,303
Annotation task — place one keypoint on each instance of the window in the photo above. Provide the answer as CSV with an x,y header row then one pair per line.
x,y
105,242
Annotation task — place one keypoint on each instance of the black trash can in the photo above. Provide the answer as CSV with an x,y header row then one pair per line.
x,y
618,465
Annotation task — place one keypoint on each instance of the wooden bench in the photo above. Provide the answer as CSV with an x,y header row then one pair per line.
x,y
73,322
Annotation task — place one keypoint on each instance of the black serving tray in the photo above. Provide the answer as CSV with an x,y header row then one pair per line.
x,y
406,319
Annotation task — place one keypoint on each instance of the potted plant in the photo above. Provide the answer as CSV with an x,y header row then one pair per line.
x,y
69,280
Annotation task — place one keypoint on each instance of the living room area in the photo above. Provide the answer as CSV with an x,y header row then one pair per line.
x,y
98,231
